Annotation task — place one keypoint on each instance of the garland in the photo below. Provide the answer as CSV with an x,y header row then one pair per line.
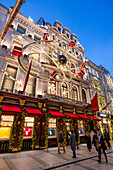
x,y
58,126
78,132
34,132
65,130
20,141
88,123
46,133
73,125
13,134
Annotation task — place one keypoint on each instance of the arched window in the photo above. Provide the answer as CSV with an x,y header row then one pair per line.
x,y
52,88
73,68
64,90
74,94
84,96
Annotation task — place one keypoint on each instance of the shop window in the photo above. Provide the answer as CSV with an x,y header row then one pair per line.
x,y
52,88
84,96
64,90
52,127
9,79
31,85
80,126
21,30
28,127
6,125
74,94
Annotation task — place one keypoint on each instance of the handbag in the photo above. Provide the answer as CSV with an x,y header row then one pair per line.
x,y
106,144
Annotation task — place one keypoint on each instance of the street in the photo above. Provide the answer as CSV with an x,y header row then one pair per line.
x,y
39,159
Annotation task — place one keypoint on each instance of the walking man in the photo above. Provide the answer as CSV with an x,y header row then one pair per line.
x,y
72,143
61,141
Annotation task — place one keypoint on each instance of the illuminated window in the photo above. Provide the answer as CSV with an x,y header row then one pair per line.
x,y
31,85
100,101
64,90
52,88
21,30
6,125
84,96
52,127
80,127
73,68
92,83
99,86
74,94
96,86
9,79
103,99
28,127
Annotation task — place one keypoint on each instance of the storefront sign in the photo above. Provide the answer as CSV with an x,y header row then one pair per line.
x,y
10,100
52,107
68,109
32,104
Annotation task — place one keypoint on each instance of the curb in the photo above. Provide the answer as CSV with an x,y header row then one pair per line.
x,y
72,162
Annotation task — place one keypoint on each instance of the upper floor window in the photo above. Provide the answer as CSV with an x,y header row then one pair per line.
x,y
73,68
37,38
84,96
99,86
52,88
9,79
96,86
67,35
31,85
92,83
59,29
64,46
74,94
64,90
21,30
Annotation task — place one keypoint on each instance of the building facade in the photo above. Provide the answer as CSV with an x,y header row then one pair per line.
x,y
55,98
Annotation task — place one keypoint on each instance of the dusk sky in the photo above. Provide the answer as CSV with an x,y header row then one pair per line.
x,y
90,20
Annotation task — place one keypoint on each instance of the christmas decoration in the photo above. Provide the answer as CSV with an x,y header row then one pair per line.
x,y
71,44
17,51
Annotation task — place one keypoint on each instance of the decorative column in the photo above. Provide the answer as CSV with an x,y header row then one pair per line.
x,y
36,133
80,89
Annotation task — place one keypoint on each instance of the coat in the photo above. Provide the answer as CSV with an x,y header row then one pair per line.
x,y
60,137
103,146
72,142
88,141
94,140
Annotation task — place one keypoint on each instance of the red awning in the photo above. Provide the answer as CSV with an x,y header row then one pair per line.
x,y
84,117
33,111
72,116
95,118
11,109
56,114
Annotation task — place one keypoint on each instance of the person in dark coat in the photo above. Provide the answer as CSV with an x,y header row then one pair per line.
x,y
88,141
60,141
107,138
73,143
101,146
94,139
76,135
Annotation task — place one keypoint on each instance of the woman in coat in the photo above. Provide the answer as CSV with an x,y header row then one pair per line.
x,y
88,141
73,144
101,146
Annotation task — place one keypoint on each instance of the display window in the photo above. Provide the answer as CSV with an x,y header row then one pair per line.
x,y
52,128
28,127
81,129
6,126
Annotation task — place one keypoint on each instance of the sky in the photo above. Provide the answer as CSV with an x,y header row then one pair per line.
x,y
90,20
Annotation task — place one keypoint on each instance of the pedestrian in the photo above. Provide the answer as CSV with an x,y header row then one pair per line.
x,y
91,135
61,141
94,139
73,143
76,136
107,138
88,141
101,146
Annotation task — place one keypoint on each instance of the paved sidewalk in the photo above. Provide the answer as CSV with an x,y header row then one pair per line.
x,y
39,159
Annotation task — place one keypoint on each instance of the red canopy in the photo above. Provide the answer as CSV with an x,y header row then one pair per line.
x,y
56,114
84,117
33,111
95,118
11,109
72,116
